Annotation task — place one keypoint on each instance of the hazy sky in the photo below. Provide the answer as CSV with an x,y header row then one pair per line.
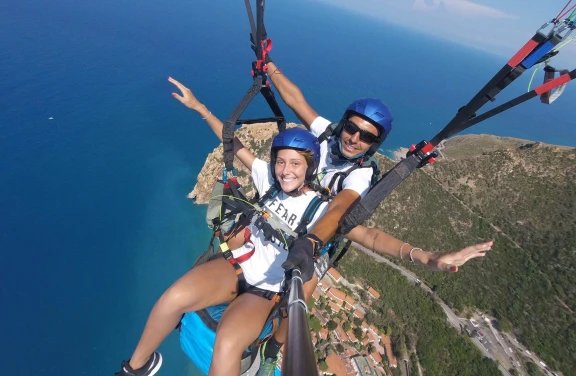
x,y
499,26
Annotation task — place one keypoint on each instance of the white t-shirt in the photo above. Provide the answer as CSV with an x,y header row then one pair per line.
x,y
358,180
264,268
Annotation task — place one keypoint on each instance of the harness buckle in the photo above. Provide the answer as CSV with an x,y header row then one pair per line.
x,y
425,157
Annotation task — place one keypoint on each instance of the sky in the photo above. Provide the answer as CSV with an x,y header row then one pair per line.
x,y
496,26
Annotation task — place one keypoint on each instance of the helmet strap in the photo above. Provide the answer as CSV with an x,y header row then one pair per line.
x,y
299,191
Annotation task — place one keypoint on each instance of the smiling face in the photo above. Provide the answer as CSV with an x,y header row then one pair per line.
x,y
352,143
290,169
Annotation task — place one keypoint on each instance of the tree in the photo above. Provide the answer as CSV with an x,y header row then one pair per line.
x,y
310,304
315,324
370,348
532,369
331,325
323,366
505,325
346,326
388,331
339,348
357,332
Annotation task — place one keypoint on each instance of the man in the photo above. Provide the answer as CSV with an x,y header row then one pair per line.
x,y
364,126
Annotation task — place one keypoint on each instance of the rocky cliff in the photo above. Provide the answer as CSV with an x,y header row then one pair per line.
x,y
256,137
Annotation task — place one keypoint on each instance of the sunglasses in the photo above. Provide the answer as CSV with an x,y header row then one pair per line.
x,y
365,136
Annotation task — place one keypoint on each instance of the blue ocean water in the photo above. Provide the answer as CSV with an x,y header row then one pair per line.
x,y
94,220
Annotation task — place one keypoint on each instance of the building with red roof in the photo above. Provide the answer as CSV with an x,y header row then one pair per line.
x,y
335,307
341,334
334,274
377,357
335,365
388,347
315,295
373,293
340,297
352,336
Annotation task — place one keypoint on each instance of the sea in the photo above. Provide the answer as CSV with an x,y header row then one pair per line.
x,y
97,158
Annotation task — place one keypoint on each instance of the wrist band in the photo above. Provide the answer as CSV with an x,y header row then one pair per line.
x,y
412,250
402,246
317,244
204,118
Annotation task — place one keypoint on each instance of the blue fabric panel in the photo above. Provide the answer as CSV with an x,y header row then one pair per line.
x,y
197,340
537,55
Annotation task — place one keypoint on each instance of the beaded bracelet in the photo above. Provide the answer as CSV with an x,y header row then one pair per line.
x,y
402,246
412,250
204,118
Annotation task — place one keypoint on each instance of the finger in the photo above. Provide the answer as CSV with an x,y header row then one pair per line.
x,y
485,246
180,98
178,84
475,255
448,267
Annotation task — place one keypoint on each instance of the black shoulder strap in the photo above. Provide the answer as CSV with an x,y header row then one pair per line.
x,y
270,193
327,133
369,163
345,175
308,215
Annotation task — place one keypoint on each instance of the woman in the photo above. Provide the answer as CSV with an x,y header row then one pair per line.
x,y
294,157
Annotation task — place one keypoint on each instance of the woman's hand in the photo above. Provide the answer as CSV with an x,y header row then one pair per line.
x,y
187,98
451,261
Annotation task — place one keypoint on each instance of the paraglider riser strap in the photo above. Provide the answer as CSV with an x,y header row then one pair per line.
x,y
425,158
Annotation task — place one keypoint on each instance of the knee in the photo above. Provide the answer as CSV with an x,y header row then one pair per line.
x,y
175,299
228,343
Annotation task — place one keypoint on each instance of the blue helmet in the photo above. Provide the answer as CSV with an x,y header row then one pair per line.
x,y
376,113
297,139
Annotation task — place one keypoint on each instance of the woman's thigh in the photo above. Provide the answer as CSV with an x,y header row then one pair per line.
x,y
243,320
214,282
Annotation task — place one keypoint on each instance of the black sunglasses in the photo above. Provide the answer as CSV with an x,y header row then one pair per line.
x,y
365,136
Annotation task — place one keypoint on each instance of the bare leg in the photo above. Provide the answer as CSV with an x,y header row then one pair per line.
x,y
282,330
211,283
240,325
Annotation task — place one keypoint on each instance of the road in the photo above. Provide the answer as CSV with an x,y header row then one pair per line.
x,y
453,319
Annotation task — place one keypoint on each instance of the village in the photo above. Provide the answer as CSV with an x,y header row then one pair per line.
x,y
345,344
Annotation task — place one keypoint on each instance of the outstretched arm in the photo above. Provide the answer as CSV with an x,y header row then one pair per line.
x,y
380,242
291,95
189,100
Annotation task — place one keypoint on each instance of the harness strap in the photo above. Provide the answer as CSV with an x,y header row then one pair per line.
x,y
308,215
549,74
